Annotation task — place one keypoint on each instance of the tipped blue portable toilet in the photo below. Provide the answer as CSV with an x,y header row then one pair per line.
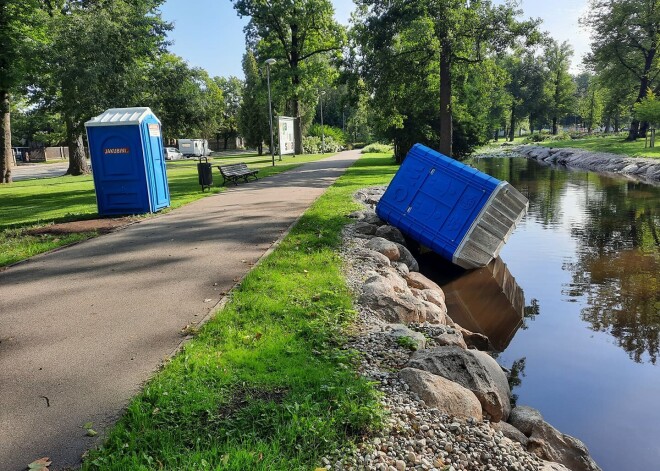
x,y
455,210
128,165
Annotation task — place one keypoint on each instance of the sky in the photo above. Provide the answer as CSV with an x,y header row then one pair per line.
x,y
209,33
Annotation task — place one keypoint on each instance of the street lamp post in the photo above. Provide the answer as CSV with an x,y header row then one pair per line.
x,y
270,62
322,130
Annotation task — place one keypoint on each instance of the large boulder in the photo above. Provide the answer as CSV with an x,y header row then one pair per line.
x,y
472,369
439,392
524,418
390,233
371,257
510,432
372,218
550,444
399,331
550,466
364,228
379,295
384,246
406,257
450,338
419,281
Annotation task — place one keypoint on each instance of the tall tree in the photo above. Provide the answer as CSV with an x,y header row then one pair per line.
x,y
21,23
253,116
232,90
95,61
452,32
627,33
527,81
561,88
294,33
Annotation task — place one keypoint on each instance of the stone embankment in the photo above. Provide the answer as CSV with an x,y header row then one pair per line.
x,y
448,402
635,167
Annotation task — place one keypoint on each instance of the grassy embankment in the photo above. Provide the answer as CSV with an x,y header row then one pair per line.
x,y
28,204
610,143
265,384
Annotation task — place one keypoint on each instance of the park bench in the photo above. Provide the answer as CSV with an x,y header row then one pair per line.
x,y
233,172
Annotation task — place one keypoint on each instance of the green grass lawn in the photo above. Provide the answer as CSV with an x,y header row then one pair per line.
x,y
265,384
611,143
31,203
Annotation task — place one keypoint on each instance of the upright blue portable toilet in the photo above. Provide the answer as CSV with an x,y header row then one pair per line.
x,y
128,165
455,210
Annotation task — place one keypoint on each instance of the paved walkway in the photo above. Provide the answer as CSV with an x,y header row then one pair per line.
x,y
87,325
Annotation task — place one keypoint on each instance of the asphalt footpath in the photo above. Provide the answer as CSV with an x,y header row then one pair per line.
x,y
83,328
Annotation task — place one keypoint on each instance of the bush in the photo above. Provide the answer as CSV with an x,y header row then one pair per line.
x,y
545,137
377,148
328,131
312,145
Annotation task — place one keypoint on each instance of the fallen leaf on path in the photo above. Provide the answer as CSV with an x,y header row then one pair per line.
x,y
40,465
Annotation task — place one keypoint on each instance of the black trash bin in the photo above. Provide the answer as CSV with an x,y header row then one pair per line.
x,y
205,173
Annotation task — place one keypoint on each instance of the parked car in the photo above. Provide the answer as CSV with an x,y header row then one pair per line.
x,y
172,153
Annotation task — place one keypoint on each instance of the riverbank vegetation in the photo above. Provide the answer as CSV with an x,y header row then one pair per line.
x,y
265,385
613,143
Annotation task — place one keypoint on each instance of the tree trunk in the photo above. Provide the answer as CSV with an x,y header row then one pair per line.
x,y
512,127
5,138
616,124
446,120
295,80
635,130
554,125
77,158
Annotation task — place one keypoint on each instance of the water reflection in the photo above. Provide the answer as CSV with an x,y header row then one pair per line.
x,y
487,300
589,252
616,269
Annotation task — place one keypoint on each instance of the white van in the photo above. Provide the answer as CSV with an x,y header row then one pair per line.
x,y
194,147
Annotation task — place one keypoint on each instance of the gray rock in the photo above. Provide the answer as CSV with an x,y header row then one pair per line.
x,y
472,369
391,233
524,418
450,339
419,281
476,340
402,268
359,215
406,257
550,444
550,466
372,218
400,330
364,228
445,395
436,297
372,256
384,246
510,432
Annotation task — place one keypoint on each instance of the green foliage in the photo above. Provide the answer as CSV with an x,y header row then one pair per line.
x,y
648,109
314,145
377,148
232,91
404,76
613,143
328,131
625,39
253,121
545,137
407,342
304,38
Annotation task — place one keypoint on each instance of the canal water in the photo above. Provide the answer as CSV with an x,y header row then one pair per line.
x,y
574,303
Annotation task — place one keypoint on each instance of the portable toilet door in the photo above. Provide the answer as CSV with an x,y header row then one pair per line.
x,y
128,165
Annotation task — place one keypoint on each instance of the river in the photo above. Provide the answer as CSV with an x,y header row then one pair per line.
x,y
583,269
